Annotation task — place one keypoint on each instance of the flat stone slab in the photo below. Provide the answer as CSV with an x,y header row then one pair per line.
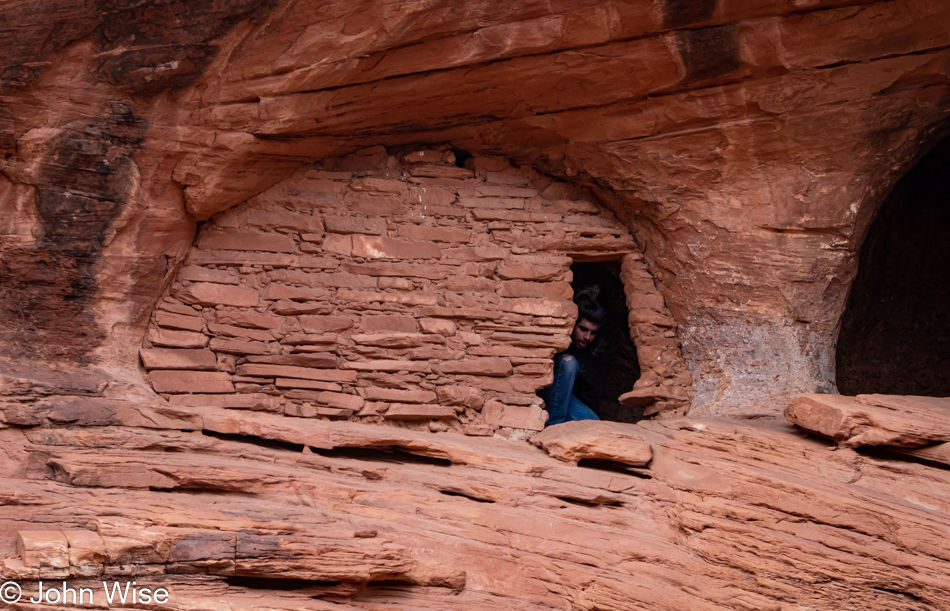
x,y
595,439
877,420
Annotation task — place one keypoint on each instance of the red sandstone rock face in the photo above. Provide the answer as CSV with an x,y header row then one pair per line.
x,y
745,144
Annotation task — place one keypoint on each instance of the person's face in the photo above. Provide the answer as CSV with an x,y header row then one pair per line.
x,y
584,333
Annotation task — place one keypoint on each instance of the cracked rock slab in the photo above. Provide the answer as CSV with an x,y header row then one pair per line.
x,y
877,420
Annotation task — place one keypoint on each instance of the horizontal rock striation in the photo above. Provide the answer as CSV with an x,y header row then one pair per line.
x,y
257,511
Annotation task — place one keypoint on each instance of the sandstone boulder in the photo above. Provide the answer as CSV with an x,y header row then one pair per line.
x,y
597,440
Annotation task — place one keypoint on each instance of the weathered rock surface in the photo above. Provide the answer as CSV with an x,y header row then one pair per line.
x,y
301,460
875,420
254,511
912,427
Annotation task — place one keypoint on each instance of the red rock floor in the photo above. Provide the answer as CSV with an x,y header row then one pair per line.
x,y
733,514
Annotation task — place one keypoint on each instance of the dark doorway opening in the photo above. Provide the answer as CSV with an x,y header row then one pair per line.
x,y
895,332
615,350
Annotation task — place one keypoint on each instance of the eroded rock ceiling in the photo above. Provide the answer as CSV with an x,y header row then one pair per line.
x,y
746,144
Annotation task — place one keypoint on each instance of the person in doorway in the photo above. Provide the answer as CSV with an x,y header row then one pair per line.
x,y
577,381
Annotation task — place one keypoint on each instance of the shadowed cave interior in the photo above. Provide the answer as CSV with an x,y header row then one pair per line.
x,y
895,332
617,352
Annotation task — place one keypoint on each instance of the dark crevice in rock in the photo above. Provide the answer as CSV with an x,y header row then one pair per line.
x,y
883,57
589,502
390,583
272,444
613,466
263,583
882,453
903,594
385,588
467,496
225,492
389,455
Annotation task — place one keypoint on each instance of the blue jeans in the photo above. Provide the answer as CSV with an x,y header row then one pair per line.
x,y
561,404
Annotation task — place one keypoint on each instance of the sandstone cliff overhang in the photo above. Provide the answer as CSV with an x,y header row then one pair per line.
x,y
746,146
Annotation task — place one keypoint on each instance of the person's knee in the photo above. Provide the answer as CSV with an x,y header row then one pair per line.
x,y
569,364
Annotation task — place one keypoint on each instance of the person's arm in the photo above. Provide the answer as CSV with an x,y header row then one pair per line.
x,y
589,387
596,383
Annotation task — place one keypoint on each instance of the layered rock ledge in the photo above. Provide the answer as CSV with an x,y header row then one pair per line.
x,y
251,510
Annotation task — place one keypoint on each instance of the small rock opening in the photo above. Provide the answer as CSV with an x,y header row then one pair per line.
x,y
895,332
614,348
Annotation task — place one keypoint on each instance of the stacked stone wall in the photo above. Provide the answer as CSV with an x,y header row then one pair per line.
x,y
403,290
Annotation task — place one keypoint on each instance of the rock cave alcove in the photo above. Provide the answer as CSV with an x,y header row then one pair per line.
x,y
895,332
423,288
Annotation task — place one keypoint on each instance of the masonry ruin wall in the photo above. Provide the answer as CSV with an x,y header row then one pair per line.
x,y
403,290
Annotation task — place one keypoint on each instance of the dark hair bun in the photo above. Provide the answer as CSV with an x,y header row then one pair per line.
x,y
587,306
